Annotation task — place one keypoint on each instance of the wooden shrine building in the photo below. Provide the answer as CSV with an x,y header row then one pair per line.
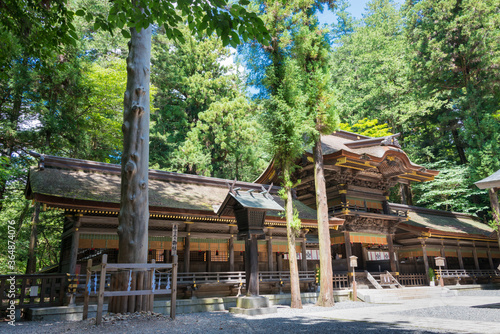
x,y
359,173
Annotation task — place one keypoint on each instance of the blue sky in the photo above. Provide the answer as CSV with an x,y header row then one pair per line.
x,y
356,8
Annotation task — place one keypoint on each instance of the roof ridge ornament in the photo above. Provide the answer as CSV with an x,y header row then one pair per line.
x,y
391,141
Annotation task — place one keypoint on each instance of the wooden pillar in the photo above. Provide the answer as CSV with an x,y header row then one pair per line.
x,y
396,255
187,252
270,264
490,259
474,252
348,250
424,255
443,254
365,257
231,253
385,205
252,265
208,254
304,253
166,256
459,255
279,261
392,259
74,244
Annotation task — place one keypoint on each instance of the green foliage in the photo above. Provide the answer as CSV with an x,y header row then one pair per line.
x,y
40,26
452,190
454,50
225,142
367,127
370,70
229,20
431,274
19,210
189,77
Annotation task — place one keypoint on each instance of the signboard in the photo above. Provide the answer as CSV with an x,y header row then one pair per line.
x,y
175,231
378,256
311,254
439,261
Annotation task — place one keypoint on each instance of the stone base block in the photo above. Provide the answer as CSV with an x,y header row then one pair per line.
x,y
253,305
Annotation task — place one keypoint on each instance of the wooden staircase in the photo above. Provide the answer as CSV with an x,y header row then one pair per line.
x,y
383,280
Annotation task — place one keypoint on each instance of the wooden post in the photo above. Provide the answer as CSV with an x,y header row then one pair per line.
x,y
426,260
151,278
459,255
443,254
231,253
252,265
474,252
166,256
209,260
173,298
304,257
279,261
364,257
74,245
173,294
86,293
490,259
348,250
392,259
102,284
270,263
187,252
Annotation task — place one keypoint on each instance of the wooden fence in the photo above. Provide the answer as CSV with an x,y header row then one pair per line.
x,y
38,290
412,279
143,268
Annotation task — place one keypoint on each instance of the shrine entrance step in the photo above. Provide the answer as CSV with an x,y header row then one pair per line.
x,y
393,295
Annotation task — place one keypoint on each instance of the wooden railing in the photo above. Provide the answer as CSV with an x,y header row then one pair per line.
x,y
341,281
463,273
412,279
33,290
145,273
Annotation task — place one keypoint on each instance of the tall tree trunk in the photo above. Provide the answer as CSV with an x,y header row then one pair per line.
x,y
31,265
459,146
406,196
495,208
325,253
292,253
134,205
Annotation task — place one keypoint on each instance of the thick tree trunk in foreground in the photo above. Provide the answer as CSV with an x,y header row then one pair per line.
x,y
325,297
496,210
292,253
134,205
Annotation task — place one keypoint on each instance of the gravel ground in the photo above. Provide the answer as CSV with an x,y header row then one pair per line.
x,y
486,293
285,321
458,313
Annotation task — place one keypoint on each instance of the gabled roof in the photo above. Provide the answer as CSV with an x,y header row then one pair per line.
x,y
351,150
492,181
443,223
248,200
72,183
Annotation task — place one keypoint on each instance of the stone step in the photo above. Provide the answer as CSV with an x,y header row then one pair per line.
x,y
392,295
